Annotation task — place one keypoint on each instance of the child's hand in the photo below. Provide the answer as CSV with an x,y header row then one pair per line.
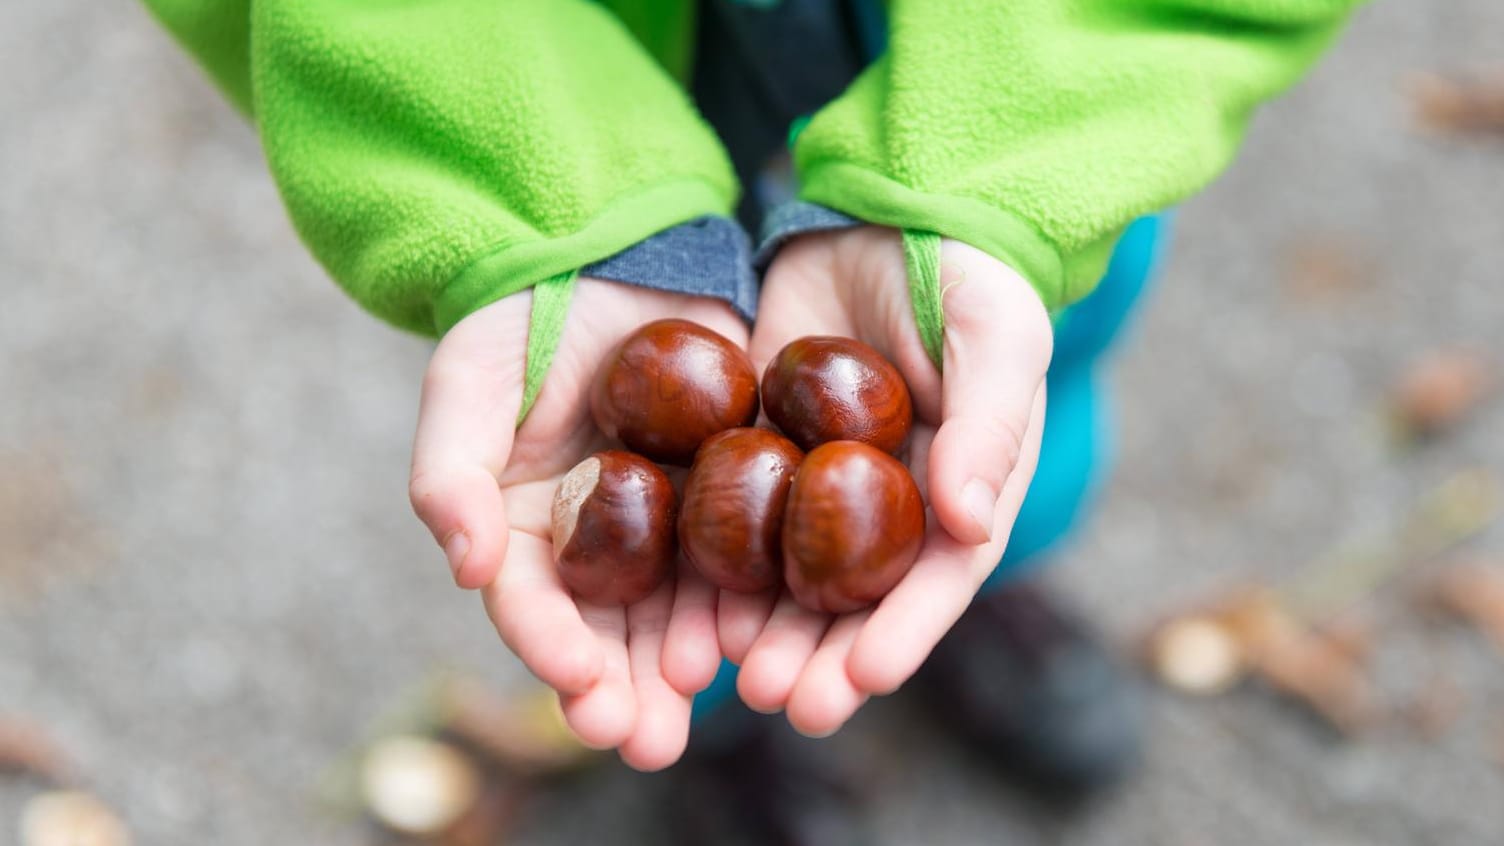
x,y
973,450
624,676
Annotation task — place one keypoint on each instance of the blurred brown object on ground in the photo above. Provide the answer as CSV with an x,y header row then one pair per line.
x,y
1248,632
1457,104
1438,390
524,734
1473,593
1354,634
46,532
1325,269
453,763
1310,637
1328,674
487,823
26,747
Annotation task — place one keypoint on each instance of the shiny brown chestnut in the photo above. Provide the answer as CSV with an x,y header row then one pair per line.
x,y
822,389
669,386
613,521
731,519
852,528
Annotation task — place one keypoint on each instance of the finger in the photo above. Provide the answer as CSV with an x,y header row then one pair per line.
x,y
604,716
740,618
824,697
691,649
465,421
463,508
911,619
540,622
662,728
998,343
779,654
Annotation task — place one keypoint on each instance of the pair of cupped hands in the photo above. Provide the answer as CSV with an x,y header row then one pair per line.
x,y
626,676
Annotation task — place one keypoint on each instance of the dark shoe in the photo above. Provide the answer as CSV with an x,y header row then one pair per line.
x,y
751,779
1037,692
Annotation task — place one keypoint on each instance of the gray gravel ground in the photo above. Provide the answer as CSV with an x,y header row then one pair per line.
x,y
210,580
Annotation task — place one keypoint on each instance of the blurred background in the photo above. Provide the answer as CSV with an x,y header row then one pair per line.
x,y
213,595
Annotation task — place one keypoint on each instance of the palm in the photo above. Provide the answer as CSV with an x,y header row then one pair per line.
x,y
625,675
820,667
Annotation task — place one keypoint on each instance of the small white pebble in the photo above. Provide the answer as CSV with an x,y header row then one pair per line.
x,y
418,786
70,818
1197,656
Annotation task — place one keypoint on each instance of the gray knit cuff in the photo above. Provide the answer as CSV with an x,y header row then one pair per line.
x,y
791,220
713,257
707,257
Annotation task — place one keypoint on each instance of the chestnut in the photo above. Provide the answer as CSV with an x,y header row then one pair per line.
x,y
822,389
669,386
613,521
852,527
731,519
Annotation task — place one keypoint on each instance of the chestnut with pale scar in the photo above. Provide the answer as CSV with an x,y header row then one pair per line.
x,y
613,525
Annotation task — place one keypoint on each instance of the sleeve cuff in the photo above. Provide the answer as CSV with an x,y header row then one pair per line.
x,y
713,257
708,257
791,220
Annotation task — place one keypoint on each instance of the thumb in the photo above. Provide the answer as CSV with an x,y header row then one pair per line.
x,y
466,416
998,343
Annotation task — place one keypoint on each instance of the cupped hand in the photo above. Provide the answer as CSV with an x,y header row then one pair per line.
x,y
625,676
973,450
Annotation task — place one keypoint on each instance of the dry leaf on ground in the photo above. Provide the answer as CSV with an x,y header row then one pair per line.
x,y
1473,104
1438,390
27,747
1473,593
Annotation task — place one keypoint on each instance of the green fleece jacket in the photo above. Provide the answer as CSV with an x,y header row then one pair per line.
x,y
437,155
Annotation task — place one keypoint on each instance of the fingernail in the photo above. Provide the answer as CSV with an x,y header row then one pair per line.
x,y
455,549
981,502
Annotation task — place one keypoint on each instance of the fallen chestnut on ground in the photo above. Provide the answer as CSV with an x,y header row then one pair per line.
x,y
731,519
669,386
613,526
822,389
852,528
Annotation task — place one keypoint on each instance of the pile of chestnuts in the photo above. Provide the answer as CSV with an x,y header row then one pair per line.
x,y
823,508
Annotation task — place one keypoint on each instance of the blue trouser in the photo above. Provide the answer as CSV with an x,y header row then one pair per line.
x,y
1077,448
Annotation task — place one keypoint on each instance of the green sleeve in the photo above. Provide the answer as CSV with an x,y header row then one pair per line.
x,y
1037,129
436,156
218,34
